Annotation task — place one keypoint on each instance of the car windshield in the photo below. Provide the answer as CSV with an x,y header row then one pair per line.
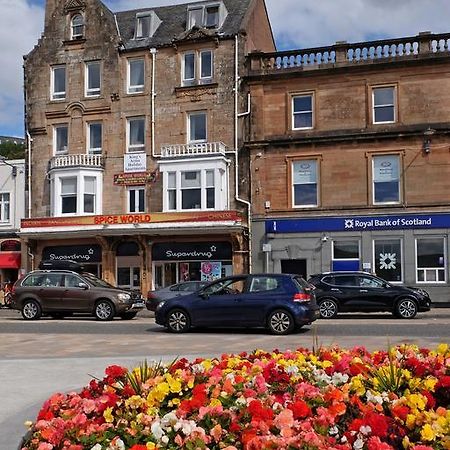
x,y
96,282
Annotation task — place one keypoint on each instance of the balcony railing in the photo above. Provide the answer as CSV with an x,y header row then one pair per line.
x,y
201,149
81,160
343,53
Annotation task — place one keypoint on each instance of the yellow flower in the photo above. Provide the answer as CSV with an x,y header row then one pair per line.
x,y
429,383
107,414
410,421
326,364
150,446
442,349
427,433
416,401
174,385
357,385
215,402
134,401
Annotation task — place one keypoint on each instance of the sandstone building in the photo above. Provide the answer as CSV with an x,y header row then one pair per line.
x,y
135,122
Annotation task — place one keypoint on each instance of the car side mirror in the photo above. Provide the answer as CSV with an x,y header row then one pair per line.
x,y
204,295
83,285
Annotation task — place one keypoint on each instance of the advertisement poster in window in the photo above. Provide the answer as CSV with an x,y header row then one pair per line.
x,y
184,271
211,270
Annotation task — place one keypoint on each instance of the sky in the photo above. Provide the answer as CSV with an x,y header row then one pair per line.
x,y
295,23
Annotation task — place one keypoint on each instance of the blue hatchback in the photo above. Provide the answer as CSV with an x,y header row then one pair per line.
x,y
279,302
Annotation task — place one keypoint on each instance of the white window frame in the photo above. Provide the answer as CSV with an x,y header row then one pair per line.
x,y
5,207
222,13
311,111
74,35
140,18
333,243
198,68
136,88
306,205
393,105
80,175
92,92
396,202
89,149
135,148
59,95
56,129
389,238
189,116
221,182
431,269
135,191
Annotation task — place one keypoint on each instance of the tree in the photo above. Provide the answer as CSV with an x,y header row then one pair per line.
x,y
10,150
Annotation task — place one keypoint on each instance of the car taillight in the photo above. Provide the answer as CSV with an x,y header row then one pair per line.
x,y
151,296
301,297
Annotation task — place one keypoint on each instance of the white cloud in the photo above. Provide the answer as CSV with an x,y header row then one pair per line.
x,y
296,24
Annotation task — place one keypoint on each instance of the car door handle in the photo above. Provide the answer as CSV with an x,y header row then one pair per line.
x,y
363,290
336,290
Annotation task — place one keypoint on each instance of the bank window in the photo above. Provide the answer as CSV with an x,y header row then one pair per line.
x,y
197,127
304,188
89,195
93,78
383,104
60,138
386,179
302,112
58,83
135,76
388,259
77,26
5,207
68,195
345,255
136,134
430,260
95,137
136,199
197,67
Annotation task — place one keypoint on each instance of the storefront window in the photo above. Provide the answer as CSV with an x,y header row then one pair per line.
x,y
388,259
345,255
430,260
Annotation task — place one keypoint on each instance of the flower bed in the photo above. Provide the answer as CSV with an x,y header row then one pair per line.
x,y
327,399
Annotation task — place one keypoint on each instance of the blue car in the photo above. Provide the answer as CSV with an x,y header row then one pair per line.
x,y
281,303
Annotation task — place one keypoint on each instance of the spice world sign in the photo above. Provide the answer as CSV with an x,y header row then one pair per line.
x,y
359,223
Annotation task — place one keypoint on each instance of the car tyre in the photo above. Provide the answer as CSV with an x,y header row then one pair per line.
x,y
128,315
280,322
405,308
328,308
104,310
31,310
178,321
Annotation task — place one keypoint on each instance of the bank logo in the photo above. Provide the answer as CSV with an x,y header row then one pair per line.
x,y
349,224
388,261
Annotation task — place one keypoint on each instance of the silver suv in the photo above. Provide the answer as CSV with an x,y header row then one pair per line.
x,y
60,293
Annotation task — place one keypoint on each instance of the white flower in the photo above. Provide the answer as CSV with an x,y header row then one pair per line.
x,y
358,444
374,398
365,430
165,440
292,370
339,378
96,447
198,368
157,430
333,431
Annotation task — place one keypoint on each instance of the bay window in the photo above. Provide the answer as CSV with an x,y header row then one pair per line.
x,y
136,199
5,202
136,134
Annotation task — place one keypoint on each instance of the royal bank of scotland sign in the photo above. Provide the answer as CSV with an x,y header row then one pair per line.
x,y
358,223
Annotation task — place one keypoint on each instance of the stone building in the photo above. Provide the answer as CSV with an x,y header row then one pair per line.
x,y
135,120
349,160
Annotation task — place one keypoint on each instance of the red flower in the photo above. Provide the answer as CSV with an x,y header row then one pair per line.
x,y
400,411
138,447
431,402
116,371
300,409
443,382
259,412
378,423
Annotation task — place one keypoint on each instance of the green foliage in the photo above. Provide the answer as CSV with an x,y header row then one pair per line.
x,y
10,150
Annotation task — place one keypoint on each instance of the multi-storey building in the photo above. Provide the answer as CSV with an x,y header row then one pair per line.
x,y
134,120
350,165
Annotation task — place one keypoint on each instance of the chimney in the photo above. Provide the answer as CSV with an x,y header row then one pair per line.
x,y
50,7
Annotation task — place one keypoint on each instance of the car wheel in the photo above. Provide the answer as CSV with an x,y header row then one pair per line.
x,y
328,308
128,315
178,321
406,308
281,322
104,310
31,310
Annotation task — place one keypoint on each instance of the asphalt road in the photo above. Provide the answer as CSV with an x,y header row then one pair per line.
x,y
40,358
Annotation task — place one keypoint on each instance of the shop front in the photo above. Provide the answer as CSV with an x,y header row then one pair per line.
x,y
10,259
142,251
409,249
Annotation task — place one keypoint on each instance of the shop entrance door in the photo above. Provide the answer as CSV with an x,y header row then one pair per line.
x,y
129,277
296,266
165,274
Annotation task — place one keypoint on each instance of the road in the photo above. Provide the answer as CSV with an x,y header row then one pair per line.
x,y
40,358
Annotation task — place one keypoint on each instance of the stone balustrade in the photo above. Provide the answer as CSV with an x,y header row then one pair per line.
x,y
78,160
198,149
343,53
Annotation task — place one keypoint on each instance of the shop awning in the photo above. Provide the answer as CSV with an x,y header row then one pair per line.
x,y
9,260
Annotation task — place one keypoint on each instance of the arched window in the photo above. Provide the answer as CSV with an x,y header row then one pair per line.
x,y
77,26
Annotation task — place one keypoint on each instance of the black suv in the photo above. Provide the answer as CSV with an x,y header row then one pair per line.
x,y
361,291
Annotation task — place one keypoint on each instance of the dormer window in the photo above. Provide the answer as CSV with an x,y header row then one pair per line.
x,y
77,26
146,24
206,16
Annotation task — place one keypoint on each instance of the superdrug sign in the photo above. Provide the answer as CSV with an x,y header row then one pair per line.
x,y
79,253
191,251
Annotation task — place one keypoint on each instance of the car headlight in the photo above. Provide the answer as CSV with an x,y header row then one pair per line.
x,y
160,304
123,297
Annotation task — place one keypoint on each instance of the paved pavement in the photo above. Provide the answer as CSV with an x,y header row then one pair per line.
x,y
33,366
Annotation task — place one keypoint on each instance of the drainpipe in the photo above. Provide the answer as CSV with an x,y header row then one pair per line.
x,y
30,141
236,155
153,95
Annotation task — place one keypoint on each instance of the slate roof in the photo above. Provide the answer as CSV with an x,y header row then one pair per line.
x,y
173,24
